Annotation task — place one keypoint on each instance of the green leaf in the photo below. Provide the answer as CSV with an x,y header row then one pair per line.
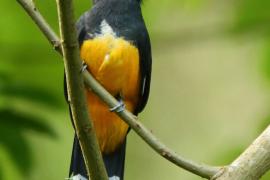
x,y
13,124
28,92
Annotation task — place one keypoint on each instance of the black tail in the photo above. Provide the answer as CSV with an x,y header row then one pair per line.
x,y
114,162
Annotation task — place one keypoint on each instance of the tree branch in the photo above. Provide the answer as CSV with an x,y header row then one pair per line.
x,y
252,163
76,92
196,168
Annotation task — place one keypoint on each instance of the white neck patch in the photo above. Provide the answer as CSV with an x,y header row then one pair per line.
x,y
106,28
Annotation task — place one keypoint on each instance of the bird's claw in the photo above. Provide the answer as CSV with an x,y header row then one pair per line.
x,y
119,107
84,67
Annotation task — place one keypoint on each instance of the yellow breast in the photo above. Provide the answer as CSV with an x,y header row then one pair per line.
x,y
114,62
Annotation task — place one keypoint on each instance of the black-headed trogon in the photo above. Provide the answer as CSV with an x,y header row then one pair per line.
x,y
115,45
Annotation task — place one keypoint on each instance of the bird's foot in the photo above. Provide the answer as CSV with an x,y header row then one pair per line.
x,y
119,107
84,67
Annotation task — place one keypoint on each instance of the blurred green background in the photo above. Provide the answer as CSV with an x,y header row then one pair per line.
x,y
209,97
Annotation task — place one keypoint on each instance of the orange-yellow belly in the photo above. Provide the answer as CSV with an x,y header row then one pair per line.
x,y
114,62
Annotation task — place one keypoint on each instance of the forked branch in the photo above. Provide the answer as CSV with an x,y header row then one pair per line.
x,y
241,169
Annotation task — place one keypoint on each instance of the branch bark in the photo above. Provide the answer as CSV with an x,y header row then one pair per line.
x,y
76,92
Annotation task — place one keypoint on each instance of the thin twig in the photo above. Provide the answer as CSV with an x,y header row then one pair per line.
x,y
76,91
33,12
196,168
202,170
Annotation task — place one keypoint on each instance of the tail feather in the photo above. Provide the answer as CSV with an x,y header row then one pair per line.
x,y
114,162
77,165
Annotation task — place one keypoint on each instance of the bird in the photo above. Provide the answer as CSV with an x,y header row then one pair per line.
x,y
115,48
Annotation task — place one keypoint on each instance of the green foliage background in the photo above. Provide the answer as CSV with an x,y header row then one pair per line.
x,y
209,96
